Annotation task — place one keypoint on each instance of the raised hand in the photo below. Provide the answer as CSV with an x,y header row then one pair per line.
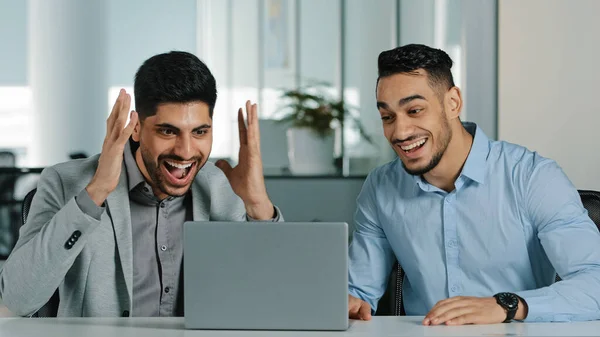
x,y
358,309
107,174
246,179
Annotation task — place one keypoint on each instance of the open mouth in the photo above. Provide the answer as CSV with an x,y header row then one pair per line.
x,y
415,146
178,173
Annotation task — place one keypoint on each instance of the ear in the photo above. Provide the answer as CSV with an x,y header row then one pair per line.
x,y
453,103
137,130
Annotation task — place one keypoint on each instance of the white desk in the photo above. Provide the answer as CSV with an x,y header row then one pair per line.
x,y
379,326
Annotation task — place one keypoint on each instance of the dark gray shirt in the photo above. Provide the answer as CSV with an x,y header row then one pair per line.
x,y
157,227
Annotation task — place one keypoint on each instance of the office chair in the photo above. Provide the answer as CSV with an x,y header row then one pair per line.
x,y
391,303
9,213
49,309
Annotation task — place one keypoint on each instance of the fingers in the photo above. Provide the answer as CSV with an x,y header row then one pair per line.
x,y
353,312
252,132
358,309
442,307
224,166
248,112
365,311
242,128
118,116
115,109
128,131
122,114
255,124
465,319
452,314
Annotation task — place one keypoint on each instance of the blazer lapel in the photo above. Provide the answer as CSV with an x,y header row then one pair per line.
x,y
200,209
120,215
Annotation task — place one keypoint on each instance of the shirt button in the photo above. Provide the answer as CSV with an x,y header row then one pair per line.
x,y
452,243
163,248
454,289
146,189
167,289
162,205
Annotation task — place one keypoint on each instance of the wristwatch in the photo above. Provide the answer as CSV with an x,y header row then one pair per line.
x,y
510,303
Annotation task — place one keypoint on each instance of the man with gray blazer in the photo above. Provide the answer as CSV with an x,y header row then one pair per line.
x,y
107,231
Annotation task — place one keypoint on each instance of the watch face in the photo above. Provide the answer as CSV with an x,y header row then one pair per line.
x,y
509,300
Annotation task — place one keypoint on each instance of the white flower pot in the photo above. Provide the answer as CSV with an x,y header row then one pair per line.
x,y
308,153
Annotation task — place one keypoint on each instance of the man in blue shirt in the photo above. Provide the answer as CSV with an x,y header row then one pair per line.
x,y
480,227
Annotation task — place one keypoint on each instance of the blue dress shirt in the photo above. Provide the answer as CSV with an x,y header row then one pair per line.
x,y
512,222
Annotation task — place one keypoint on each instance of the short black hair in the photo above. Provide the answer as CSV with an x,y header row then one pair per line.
x,y
174,77
411,57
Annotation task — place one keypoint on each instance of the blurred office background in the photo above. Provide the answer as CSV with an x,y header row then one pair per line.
x,y
527,70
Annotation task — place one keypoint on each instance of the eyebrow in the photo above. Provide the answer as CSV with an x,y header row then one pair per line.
x,y
403,101
202,127
167,125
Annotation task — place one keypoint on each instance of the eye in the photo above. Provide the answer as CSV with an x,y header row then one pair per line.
x,y
201,132
414,111
387,118
166,131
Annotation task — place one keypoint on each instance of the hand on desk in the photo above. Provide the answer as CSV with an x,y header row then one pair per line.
x,y
469,310
358,309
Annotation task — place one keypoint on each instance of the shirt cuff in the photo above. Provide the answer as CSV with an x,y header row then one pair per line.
x,y
539,306
276,216
88,206
352,291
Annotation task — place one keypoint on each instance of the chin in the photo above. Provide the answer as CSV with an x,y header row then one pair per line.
x,y
176,191
416,169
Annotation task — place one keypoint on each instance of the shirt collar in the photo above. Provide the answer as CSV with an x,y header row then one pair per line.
x,y
134,175
476,164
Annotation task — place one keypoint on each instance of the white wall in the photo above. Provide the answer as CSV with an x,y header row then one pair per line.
x,y
139,29
13,43
548,82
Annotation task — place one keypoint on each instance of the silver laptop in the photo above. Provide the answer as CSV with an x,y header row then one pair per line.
x,y
267,276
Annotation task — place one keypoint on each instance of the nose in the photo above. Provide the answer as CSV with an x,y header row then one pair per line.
x,y
402,128
184,147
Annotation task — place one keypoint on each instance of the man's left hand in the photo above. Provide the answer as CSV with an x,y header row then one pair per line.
x,y
468,310
246,179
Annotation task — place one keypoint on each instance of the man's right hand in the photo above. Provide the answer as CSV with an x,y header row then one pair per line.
x,y
358,309
107,174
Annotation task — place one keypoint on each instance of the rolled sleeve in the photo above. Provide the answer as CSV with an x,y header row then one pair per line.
x,y
276,216
88,206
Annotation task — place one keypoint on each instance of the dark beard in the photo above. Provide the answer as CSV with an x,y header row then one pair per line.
x,y
432,164
153,169
437,157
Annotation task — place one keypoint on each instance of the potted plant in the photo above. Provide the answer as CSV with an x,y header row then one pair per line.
x,y
314,116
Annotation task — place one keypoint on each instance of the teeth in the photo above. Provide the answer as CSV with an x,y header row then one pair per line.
x,y
413,145
181,166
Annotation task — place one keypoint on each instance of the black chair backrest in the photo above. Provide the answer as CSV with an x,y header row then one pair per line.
x,y
591,202
27,205
50,309
391,303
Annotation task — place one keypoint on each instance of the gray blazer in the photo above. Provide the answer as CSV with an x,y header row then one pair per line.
x,y
95,275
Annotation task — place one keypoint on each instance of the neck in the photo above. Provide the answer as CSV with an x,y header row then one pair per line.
x,y
444,175
140,164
